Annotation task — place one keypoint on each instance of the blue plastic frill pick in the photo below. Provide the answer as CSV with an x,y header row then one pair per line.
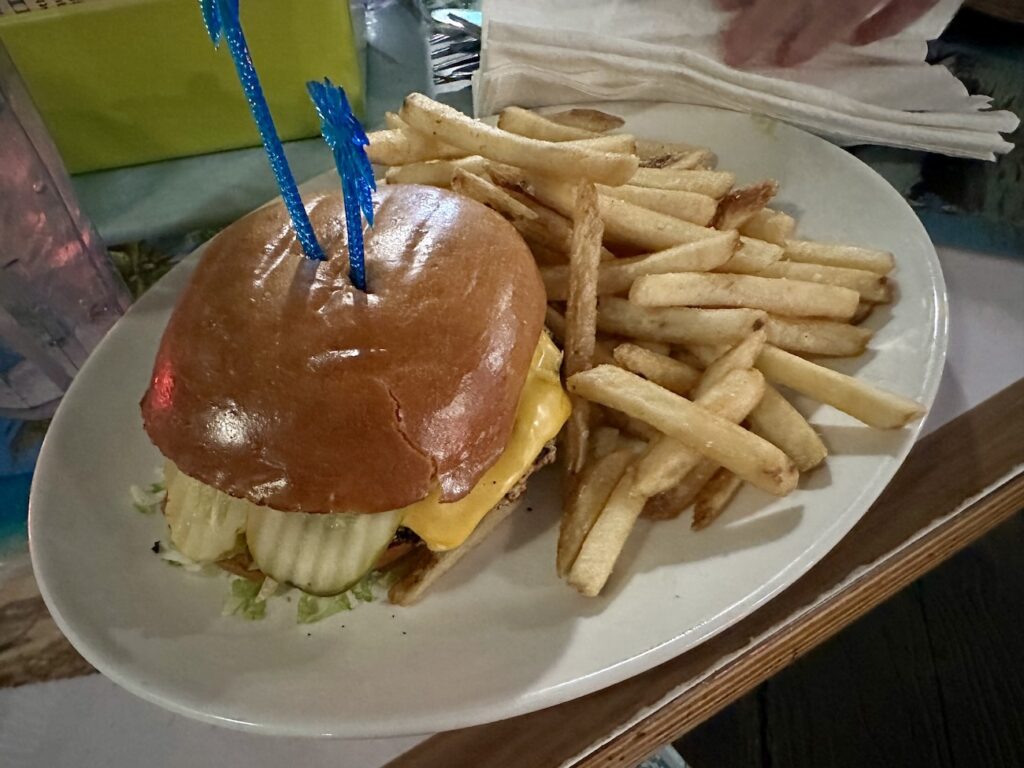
x,y
221,19
348,142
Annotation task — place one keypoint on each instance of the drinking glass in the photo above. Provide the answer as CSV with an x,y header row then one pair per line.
x,y
59,293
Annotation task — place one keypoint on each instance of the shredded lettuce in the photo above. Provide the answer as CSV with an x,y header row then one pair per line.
x,y
172,556
312,609
148,500
245,600
248,598
363,591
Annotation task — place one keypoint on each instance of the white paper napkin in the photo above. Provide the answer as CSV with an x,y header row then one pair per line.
x,y
538,53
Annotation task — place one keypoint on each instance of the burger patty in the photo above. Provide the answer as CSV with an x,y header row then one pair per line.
x,y
405,536
421,567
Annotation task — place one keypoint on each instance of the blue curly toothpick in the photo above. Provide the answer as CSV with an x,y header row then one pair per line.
x,y
222,21
347,140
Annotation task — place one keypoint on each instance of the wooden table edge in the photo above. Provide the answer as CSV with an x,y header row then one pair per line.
x,y
771,654
929,511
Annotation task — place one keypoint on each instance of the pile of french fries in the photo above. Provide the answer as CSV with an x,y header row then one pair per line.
x,y
685,307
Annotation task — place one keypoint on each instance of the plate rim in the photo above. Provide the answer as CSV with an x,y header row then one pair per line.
x,y
533,700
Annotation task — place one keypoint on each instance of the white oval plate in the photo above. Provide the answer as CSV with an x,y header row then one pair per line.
x,y
500,635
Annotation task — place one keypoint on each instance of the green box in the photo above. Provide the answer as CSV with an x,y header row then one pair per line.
x,y
122,82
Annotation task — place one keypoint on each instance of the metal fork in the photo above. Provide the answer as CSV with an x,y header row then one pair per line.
x,y
454,46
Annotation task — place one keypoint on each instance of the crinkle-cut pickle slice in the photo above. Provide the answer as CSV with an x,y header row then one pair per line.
x,y
205,523
322,554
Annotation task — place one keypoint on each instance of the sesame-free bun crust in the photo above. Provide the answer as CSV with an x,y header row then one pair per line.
x,y
279,382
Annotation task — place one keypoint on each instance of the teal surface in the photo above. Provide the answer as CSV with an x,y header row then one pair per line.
x,y
14,509
19,447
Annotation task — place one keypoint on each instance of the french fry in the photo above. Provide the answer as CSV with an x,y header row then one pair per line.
x,y
684,355
618,274
752,458
618,143
624,223
585,503
864,310
739,358
714,497
634,226
395,147
871,405
434,173
667,160
545,256
393,122
603,543
849,256
668,461
707,354
785,297
526,123
752,257
550,229
740,205
658,347
681,160
665,371
677,325
712,183
581,314
817,337
669,504
555,322
649,149
603,353
474,138
871,286
773,226
688,206
634,428
777,421
510,177
604,440
577,438
490,194
593,120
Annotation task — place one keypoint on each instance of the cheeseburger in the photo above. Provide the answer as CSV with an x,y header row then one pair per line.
x,y
315,432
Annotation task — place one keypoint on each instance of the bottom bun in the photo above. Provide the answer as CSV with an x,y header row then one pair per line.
x,y
421,568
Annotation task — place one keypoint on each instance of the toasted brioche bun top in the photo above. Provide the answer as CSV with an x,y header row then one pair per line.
x,y
278,382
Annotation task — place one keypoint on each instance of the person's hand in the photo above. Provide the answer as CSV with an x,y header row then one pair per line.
x,y
789,32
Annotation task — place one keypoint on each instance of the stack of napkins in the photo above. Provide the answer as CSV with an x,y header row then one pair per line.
x,y
537,53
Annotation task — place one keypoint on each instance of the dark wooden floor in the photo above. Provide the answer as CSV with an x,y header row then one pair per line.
x,y
932,678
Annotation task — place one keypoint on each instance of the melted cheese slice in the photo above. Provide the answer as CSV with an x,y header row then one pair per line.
x,y
543,409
